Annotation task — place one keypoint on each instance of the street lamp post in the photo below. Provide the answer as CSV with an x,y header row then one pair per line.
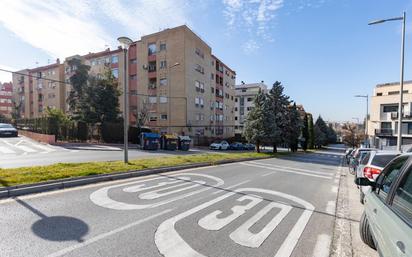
x,y
170,95
400,113
125,42
366,119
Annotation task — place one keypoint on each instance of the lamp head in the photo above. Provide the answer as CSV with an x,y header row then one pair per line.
x,y
125,42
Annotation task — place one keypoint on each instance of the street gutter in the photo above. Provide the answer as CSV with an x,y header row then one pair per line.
x,y
25,189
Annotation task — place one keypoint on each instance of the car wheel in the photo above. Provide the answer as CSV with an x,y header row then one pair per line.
x,y
220,148
365,232
362,197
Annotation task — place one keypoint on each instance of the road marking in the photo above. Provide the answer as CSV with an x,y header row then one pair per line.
x,y
286,171
322,247
46,149
155,193
26,149
291,168
242,234
101,197
268,174
104,235
141,187
171,244
331,207
334,189
6,150
230,187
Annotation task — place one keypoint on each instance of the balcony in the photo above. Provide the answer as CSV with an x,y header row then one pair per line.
x,y
383,132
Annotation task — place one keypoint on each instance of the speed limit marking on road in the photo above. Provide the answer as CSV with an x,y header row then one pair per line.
x,y
171,244
155,191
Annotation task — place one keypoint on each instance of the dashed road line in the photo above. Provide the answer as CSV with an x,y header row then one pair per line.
x,y
287,171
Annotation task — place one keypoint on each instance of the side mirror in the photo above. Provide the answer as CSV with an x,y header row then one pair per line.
x,y
364,182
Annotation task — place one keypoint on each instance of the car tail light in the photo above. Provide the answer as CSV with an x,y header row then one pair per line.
x,y
369,172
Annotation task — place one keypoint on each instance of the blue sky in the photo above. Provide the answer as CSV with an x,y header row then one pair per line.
x,y
322,50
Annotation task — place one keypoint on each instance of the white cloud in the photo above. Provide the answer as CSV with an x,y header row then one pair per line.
x,y
255,16
6,76
58,28
64,28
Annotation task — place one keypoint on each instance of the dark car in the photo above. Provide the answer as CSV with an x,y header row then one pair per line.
x,y
249,146
7,130
236,146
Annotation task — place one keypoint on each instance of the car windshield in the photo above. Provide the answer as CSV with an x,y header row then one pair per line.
x,y
6,126
382,160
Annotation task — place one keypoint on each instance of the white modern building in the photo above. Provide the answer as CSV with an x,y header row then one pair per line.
x,y
383,121
244,96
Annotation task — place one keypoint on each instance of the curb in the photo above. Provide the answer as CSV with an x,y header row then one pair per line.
x,y
19,190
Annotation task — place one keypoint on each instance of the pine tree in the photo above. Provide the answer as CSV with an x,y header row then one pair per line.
x,y
320,123
255,127
311,141
278,104
293,128
331,135
320,137
305,133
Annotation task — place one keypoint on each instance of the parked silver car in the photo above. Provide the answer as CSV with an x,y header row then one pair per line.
x,y
371,166
386,224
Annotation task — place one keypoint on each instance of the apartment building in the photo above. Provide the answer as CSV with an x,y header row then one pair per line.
x,y
182,86
175,83
39,88
6,95
383,121
244,97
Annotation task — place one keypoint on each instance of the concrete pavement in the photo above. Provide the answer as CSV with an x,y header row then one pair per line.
x,y
274,207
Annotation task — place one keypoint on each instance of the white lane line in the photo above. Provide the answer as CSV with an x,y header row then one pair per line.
x,y
291,168
104,235
331,207
26,149
322,246
6,150
287,171
230,187
269,173
334,189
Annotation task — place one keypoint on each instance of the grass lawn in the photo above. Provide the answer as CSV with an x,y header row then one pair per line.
x,y
27,175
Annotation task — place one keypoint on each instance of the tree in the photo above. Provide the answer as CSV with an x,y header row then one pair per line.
x,y
255,130
278,104
16,110
320,123
311,141
305,133
351,135
320,137
293,128
93,99
331,135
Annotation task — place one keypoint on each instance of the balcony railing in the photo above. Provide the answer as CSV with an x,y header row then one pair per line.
x,y
383,132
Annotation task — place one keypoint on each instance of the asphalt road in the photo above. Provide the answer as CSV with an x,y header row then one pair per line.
x,y
22,151
273,207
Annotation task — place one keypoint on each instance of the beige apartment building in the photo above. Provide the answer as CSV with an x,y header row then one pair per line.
x,y
244,97
174,80
181,86
383,121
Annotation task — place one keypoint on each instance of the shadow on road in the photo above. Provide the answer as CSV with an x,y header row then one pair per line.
x,y
56,228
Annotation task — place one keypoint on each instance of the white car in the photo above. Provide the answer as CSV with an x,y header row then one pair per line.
x,y
223,145
371,166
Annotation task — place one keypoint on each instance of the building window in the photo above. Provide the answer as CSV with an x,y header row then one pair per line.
x,y
162,47
115,59
199,68
151,48
235,117
152,83
390,108
236,99
200,87
163,99
163,64
163,82
212,76
199,53
133,77
213,90
249,108
235,109
152,99
249,99
152,66
115,73
153,117
163,116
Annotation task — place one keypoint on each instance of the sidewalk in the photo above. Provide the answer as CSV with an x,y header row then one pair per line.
x,y
346,238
